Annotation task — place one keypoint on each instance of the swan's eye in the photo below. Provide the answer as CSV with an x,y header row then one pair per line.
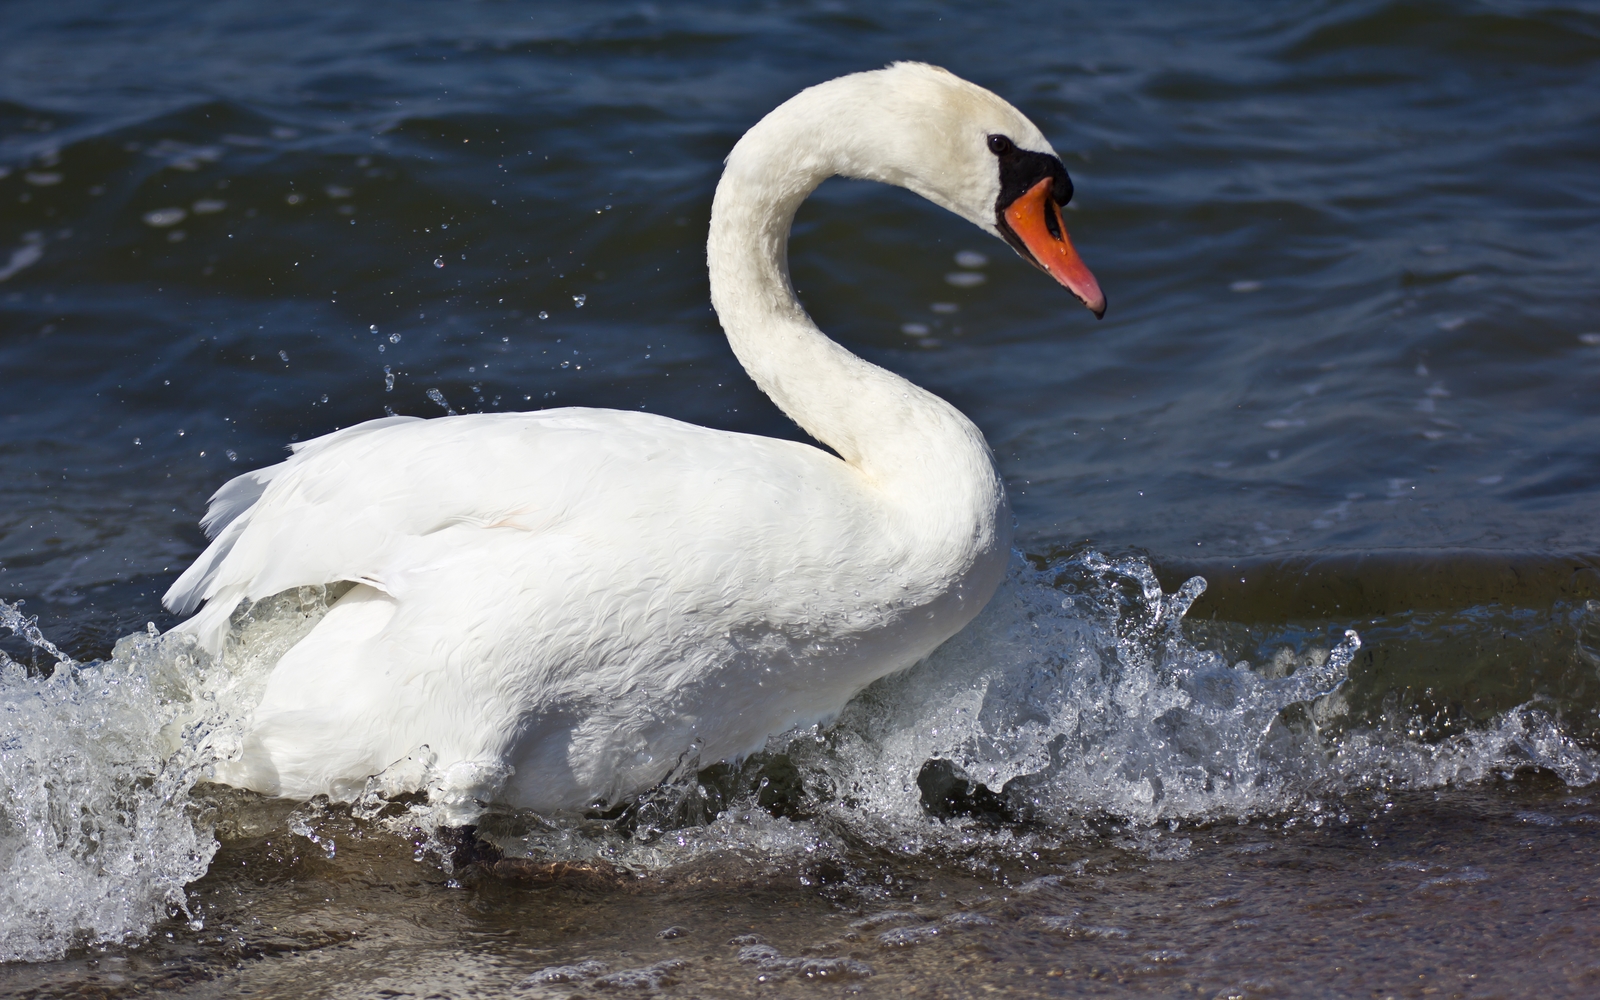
x,y
999,145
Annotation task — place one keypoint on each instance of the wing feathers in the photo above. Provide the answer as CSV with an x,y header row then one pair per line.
x,y
229,517
352,505
382,501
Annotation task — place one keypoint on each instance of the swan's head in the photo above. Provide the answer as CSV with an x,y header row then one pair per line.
x,y
962,147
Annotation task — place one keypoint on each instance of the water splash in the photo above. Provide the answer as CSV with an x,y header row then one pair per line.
x,y
27,628
99,828
1076,693
1077,699
97,832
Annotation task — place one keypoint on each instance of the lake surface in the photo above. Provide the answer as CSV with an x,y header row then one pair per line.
x,y
1350,376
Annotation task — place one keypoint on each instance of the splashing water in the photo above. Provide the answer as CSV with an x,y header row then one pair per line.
x,y
99,832
97,836
1074,700
1076,694
1075,697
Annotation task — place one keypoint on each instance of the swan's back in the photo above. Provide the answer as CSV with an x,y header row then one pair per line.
x,y
350,505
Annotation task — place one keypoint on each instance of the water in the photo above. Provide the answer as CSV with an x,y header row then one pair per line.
x,y
1349,377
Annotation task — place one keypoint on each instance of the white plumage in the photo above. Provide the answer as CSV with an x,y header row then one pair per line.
x,y
562,604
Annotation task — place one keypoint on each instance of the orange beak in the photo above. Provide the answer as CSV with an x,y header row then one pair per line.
x,y
1035,218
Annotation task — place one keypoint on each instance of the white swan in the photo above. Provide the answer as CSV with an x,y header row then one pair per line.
x,y
562,605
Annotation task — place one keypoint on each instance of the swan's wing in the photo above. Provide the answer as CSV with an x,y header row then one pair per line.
x,y
349,505
223,521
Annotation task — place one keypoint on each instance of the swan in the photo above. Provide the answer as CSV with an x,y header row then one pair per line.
x,y
555,609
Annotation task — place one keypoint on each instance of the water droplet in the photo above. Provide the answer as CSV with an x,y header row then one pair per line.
x,y
233,456
579,300
394,338
914,329
208,206
294,198
438,262
971,258
543,314
388,379
1245,286
438,397
284,355
965,279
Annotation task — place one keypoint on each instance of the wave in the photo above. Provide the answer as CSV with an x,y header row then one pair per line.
x,y
1080,703
1075,704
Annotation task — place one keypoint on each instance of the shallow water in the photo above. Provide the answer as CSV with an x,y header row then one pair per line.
x,y
1350,375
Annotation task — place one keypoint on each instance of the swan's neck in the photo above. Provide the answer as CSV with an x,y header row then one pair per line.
x,y
905,440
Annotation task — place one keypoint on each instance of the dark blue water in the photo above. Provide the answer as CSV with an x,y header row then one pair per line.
x,y
1350,373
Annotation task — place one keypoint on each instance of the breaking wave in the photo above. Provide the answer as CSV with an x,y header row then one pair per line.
x,y
1079,701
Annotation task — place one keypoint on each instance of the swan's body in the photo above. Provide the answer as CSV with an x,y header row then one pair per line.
x,y
562,605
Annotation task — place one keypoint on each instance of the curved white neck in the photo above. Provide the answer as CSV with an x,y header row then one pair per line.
x,y
905,440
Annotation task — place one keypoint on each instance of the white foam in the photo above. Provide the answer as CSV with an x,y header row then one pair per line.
x,y
98,830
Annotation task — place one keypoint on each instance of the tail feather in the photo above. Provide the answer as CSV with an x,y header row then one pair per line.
x,y
228,517
210,625
236,496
